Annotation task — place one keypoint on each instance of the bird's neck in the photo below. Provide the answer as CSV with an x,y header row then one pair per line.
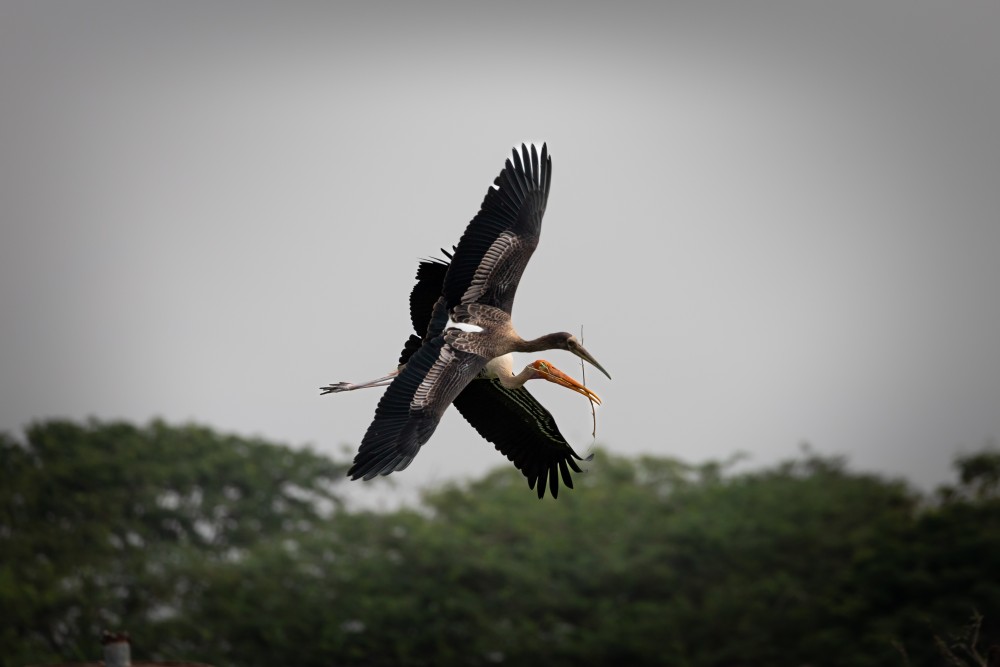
x,y
517,381
546,342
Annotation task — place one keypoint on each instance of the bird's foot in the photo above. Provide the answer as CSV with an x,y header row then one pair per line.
x,y
337,387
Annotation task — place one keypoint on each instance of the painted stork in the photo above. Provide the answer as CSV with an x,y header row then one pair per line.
x,y
461,354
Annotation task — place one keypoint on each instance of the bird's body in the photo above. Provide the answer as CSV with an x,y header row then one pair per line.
x,y
461,313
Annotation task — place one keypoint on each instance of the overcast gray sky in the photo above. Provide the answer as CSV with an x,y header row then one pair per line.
x,y
777,222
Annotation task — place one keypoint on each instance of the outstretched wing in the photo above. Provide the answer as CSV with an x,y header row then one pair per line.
x,y
411,407
497,244
522,430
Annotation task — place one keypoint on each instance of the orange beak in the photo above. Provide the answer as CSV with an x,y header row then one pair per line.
x,y
547,371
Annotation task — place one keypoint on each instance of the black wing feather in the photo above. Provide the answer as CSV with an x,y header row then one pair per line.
x,y
396,435
423,297
410,348
427,290
522,430
516,206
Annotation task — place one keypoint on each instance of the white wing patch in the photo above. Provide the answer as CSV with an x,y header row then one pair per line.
x,y
463,326
501,247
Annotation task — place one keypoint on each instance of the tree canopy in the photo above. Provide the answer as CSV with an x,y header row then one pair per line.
x,y
240,552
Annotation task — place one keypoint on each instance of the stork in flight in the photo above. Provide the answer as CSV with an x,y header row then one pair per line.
x,y
462,351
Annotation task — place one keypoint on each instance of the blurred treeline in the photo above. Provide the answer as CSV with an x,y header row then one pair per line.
x,y
239,552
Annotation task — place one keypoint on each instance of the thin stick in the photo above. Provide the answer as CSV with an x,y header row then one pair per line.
x,y
583,376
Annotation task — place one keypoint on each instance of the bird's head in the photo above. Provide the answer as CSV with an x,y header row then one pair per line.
x,y
567,341
544,370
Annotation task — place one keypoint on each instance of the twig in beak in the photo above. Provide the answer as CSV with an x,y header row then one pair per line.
x,y
583,378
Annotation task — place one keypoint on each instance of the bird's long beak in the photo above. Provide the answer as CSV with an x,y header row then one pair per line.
x,y
586,356
549,372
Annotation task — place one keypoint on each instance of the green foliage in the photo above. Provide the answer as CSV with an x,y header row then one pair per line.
x,y
108,524
238,552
